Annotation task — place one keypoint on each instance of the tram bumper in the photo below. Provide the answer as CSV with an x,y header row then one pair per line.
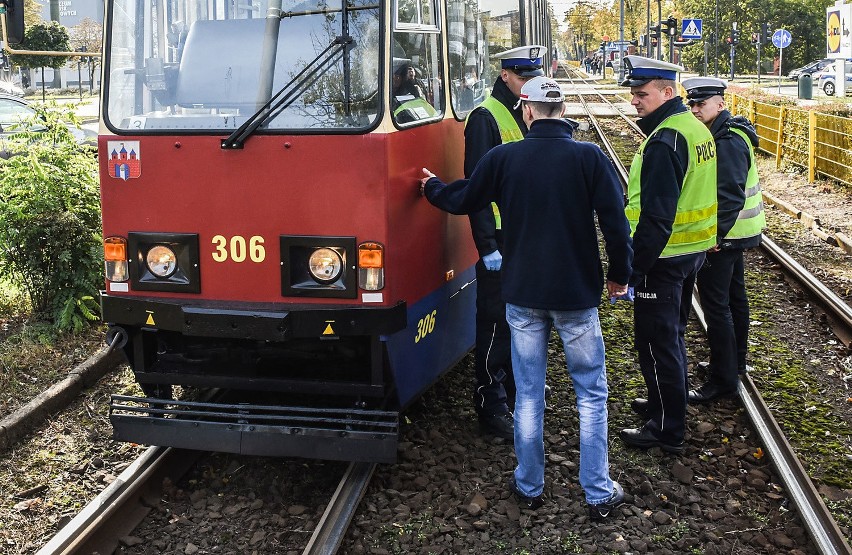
x,y
272,431
309,381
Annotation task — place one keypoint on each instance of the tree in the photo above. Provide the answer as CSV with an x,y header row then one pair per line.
x,y
47,37
800,17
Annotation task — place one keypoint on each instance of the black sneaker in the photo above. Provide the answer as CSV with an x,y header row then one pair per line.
x,y
524,501
500,425
603,510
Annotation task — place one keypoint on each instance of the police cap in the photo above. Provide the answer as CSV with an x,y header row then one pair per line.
x,y
523,60
702,88
641,70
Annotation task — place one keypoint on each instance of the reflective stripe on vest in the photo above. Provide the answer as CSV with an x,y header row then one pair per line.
x,y
694,227
509,133
751,221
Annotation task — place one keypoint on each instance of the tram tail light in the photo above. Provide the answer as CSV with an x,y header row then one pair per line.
x,y
115,258
371,266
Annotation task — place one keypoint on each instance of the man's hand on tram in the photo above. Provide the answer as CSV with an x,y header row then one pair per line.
x,y
428,175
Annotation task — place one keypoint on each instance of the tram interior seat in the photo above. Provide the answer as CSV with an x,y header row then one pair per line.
x,y
220,65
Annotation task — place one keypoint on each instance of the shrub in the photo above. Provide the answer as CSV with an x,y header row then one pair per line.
x,y
50,245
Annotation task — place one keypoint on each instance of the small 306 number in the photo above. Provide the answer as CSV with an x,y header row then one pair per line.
x,y
426,325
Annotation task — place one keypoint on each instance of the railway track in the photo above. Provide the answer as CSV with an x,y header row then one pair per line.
x,y
122,506
821,526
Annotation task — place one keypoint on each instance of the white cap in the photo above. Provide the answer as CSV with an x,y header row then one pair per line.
x,y
702,88
526,60
541,89
641,70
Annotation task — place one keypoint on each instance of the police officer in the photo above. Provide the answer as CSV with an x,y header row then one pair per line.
x,y
494,122
672,213
721,280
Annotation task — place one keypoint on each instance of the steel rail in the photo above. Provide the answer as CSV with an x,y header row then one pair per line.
x,y
837,307
821,526
627,119
117,510
328,535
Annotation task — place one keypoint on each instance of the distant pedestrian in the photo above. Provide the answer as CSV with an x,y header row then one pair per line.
x,y
549,213
741,220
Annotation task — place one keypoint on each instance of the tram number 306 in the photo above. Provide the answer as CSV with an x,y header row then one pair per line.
x,y
237,248
425,326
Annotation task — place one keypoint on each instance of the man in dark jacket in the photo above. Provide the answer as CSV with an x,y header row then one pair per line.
x,y
496,121
721,280
672,213
552,276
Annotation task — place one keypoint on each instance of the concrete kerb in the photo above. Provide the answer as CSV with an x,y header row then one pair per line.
x,y
58,396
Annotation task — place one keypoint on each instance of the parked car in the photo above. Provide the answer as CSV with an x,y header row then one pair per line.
x,y
825,79
810,68
15,110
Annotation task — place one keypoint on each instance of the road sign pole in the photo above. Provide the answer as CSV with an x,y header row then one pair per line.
x,y
780,65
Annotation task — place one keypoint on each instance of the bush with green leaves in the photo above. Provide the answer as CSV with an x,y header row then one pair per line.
x,y
50,243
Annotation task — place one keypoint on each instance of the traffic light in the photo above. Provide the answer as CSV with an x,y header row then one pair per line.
x,y
754,38
671,26
735,37
14,10
765,35
655,31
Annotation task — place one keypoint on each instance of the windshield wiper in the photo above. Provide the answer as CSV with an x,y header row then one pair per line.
x,y
309,74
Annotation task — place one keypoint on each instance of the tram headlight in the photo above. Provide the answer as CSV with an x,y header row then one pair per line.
x,y
318,266
325,265
161,261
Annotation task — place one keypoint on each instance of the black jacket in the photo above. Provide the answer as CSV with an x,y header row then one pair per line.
x,y
664,164
734,161
549,188
481,134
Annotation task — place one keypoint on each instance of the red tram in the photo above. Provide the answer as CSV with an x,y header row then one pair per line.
x,y
274,278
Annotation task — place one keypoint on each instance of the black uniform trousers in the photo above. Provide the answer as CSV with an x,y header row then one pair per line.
x,y
495,385
721,286
661,308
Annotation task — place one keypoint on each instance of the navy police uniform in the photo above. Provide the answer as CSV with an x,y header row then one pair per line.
x,y
721,280
663,272
493,367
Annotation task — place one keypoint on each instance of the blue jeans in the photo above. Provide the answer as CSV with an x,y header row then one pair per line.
x,y
580,331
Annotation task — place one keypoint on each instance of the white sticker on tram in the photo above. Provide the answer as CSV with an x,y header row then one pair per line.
x,y
372,297
120,287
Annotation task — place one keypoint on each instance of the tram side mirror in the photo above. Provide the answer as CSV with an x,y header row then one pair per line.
x,y
14,20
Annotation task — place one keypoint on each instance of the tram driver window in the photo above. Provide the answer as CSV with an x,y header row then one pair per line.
x,y
416,89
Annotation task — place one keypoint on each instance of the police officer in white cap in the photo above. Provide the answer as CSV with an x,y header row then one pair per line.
x,y
672,213
721,280
494,122
549,213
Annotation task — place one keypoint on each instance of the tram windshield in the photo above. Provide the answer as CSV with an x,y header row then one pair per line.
x,y
209,65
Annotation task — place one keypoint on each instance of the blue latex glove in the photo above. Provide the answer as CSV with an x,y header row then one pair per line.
x,y
493,261
626,297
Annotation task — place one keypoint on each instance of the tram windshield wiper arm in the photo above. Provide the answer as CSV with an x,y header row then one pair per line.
x,y
312,71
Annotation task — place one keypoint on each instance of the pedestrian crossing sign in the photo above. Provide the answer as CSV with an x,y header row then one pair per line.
x,y
691,29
